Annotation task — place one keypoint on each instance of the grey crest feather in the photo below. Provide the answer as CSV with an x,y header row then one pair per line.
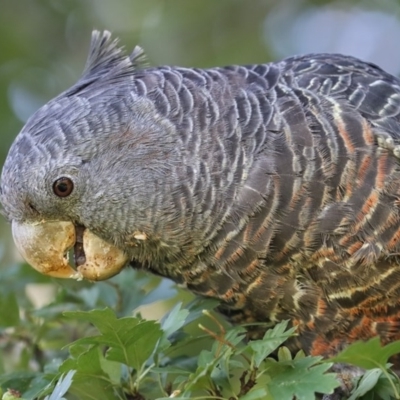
x,y
138,58
108,61
104,55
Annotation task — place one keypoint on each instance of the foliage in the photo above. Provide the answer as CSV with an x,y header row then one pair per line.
x,y
90,343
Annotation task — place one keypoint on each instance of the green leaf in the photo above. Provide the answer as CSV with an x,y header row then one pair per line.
x,y
206,358
170,324
368,355
39,386
90,381
301,378
174,320
256,394
131,341
235,335
272,339
366,383
17,380
171,370
112,369
284,354
201,377
177,397
386,387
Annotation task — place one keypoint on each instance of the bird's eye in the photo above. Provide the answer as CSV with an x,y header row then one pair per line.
x,y
63,187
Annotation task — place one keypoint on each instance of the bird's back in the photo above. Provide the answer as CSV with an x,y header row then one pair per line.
x,y
293,189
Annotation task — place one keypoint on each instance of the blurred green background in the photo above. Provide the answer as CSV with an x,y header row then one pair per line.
x,y
43,43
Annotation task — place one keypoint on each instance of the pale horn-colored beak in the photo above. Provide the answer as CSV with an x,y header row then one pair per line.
x,y
45,247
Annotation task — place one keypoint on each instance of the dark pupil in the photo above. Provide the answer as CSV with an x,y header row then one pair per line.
x,y
62,187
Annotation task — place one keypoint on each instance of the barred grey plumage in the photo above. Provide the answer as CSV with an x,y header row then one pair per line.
x,y
274,188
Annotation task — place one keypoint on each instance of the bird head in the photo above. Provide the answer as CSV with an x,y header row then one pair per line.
x,y
85,169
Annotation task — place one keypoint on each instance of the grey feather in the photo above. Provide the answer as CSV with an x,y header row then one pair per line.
x,y
138,58
104,55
